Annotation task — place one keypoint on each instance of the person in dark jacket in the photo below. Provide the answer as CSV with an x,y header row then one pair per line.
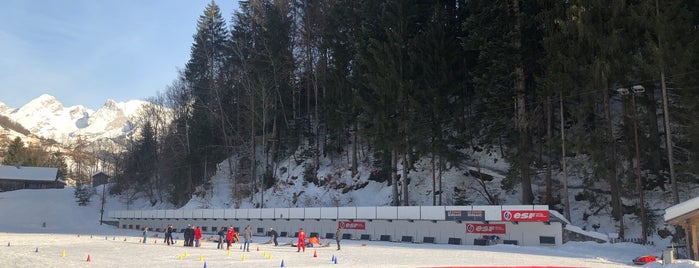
x,y
221,236
188,234
191,235
168,235
145,234
273,233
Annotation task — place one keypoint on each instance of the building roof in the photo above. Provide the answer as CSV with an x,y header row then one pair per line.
x,y
98,173
677,213
28,173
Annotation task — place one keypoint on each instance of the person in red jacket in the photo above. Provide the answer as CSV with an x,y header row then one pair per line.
x,y
229,237
302,241
197,237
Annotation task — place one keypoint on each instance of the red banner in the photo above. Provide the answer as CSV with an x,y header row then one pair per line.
x,y
352,225
525,215
477,228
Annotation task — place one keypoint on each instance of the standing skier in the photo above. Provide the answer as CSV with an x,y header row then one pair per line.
x,y
168,235
247,235
302,241
145,234
197,236
338,237
221,236
229,237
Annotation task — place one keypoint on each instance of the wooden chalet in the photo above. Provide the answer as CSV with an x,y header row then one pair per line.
x,y
19,177
686,214
99,178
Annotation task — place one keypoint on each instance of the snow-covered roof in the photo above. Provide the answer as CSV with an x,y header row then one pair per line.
x,y
555,215
98,172
681,209
28,173
579,230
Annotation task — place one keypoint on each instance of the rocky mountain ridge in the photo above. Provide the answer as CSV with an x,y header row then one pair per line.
x,y
47,118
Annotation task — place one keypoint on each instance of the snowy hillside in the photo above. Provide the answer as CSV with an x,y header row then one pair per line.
x,y
336,187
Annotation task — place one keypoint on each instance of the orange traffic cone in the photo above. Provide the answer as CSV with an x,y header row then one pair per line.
x,y
258,248
88,257
315,255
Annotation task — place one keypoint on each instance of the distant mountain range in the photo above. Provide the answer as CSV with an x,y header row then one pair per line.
x,y
45,117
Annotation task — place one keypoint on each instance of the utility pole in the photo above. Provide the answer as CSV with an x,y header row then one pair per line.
x,y
104,187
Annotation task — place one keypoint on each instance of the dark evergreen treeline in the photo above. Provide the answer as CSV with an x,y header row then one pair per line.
x,y
405,80
12,125
37,155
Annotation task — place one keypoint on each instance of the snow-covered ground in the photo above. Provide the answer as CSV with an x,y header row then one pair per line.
x,y
46,228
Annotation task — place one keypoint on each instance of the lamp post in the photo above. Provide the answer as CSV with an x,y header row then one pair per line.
x,y
639,183
104,187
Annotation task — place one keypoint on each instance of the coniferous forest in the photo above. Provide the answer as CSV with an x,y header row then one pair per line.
x,y
536,82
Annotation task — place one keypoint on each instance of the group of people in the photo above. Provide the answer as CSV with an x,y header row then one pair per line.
x,y
301,244
228,235
192,236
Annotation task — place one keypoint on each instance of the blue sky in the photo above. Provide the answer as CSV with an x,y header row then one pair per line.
x,y
87,51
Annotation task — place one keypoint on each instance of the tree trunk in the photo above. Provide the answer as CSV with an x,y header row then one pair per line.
x,y
394,178
653,133
549,148
434,181
615,188
566,200
439,178
521,116
253,160
404,178
355,153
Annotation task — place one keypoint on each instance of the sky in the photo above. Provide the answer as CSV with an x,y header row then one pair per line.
x,y
56,232
85,51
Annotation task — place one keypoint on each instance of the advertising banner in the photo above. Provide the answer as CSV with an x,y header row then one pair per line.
x,y
476,228
352,225
525,215
465,215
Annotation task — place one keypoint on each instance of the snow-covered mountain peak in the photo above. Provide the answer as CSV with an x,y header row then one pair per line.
x,y
43,102
110,104
45,116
